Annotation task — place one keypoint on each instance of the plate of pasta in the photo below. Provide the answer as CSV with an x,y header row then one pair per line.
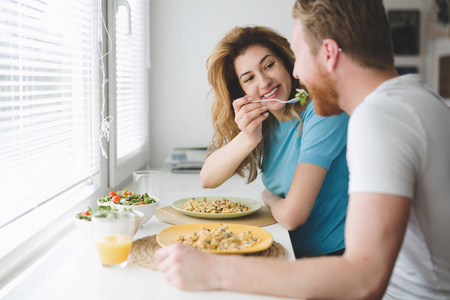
x,y
216,207
217,237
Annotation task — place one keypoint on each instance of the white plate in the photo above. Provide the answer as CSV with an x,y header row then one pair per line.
x,y
254,207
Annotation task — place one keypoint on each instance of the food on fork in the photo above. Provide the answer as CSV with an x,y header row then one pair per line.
x,y
302,95
221,238
223,206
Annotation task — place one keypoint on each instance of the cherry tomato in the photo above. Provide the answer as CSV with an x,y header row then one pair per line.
x,y
142,202
112,194
86,213
115,199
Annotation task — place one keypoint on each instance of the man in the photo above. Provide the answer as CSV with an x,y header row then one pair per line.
x,y
397,229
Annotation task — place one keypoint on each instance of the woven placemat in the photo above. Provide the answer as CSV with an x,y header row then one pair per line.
x,y
142,251
170,215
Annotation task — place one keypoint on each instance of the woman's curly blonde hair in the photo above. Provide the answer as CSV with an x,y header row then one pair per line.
x,y
226,87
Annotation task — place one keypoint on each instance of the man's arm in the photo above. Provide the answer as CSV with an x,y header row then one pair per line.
x,y
375,228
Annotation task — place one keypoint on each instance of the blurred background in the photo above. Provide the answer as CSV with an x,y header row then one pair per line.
x,y
183,34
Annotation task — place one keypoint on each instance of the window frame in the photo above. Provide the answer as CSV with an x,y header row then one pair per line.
x,y
120,170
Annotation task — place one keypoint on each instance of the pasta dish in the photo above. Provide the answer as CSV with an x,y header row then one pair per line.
x,y
223,206
221,238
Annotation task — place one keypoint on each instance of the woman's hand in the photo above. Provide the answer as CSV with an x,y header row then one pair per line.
x,y
188,268
249,117
223,162
269,198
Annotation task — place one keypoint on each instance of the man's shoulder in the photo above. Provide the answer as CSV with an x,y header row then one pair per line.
x,y
375,111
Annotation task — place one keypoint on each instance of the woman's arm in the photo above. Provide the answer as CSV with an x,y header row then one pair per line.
x,y
293,211
223,162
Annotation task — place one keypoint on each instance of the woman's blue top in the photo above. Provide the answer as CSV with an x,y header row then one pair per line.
x,y
323,143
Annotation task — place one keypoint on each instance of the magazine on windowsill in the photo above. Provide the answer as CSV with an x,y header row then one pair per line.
x,y
187,159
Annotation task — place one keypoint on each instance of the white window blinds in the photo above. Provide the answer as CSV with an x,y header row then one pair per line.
x,y
49,101
132,77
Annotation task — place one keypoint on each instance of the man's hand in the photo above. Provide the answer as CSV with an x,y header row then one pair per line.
x,y
188,268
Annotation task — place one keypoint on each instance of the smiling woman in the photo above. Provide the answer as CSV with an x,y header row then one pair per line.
x,y
301,156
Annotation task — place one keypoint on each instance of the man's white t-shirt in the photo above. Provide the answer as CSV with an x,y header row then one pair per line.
x,y
399,143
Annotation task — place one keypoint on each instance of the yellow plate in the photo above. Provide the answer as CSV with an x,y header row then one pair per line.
x,y
254,207
167,236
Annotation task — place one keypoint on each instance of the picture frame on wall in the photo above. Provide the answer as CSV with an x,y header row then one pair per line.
x,y
405,31
402,70
444,76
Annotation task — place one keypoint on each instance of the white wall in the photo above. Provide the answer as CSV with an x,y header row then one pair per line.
x,y
183,34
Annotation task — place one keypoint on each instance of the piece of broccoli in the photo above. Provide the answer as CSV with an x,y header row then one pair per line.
x,y
302,95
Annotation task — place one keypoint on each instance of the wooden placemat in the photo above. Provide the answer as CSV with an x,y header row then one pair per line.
x,y
142,251
170,215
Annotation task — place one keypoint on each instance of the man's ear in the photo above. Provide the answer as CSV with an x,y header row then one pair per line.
x,y
331,51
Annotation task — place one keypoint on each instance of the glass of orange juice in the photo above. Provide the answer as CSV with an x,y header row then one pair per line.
x,y
113,234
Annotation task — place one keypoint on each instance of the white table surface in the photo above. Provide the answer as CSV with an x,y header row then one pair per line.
x,y
72,270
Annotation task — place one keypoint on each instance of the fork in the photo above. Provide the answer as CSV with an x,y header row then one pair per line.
x,y
293,100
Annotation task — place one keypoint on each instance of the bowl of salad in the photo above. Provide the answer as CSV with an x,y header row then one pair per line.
x,y
128,200
83,219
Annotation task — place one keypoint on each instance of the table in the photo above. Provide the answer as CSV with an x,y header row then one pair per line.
x,y
72,270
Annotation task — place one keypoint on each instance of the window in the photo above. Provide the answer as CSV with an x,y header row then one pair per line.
x,y
49,103
131,78
51,106
128,79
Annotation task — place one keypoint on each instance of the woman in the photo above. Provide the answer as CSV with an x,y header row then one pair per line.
x,y
301,155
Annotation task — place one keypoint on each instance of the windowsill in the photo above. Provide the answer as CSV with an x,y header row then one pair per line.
x,y
30,237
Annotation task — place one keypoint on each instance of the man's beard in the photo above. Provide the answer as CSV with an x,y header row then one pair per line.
x,y
323,91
